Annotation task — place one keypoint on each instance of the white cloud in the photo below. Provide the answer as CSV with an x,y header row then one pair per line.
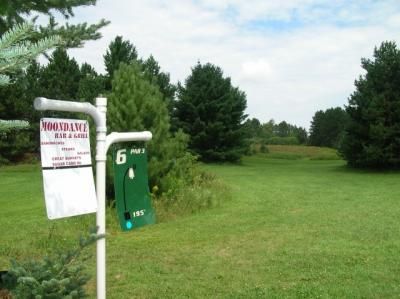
x,y
256,70
287,73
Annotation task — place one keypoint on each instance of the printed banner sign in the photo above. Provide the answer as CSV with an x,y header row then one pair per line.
x,y
131,186
67,167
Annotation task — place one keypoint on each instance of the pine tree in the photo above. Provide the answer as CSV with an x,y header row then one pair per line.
x,y
91,84
60,78
372,137
17,11
119,51
154,74
211,111
136,104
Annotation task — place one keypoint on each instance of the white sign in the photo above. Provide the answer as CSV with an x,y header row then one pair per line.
x,y
67,167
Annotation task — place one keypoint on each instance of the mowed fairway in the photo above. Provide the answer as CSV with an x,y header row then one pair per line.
x,y
294,228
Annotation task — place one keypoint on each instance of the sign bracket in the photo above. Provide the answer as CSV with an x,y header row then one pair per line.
x,y
103,142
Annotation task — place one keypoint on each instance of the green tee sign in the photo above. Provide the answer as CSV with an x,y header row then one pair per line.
x,y
132,188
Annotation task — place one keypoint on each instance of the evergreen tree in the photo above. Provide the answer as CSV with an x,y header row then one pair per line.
x,y
90,84
135,104
17,11
122,51
211,111
60,78
14,143
154,74
327,127
372,137
119,51
16,103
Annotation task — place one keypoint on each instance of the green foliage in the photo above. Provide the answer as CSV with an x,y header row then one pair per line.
x,y
211,111
60,276
16,103
283,140
73,35
123,51
286,130
135,104
60,78
17,52
204,191
154,74
91,84
119,51
258,135
7,125
252,128
372,137
17,11
327,127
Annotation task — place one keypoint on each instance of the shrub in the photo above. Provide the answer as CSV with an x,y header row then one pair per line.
x,y
205,191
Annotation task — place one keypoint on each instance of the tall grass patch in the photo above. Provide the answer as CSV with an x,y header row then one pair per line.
x,y
294,152
205,191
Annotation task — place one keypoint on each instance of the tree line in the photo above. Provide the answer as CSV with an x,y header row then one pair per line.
x,y
206,110
367,131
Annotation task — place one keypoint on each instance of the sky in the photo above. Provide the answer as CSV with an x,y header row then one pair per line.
x,y
291,58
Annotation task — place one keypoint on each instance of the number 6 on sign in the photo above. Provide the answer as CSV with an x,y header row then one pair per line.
x,y
131,185
120,157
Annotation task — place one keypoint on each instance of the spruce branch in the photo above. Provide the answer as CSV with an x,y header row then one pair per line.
x,y
59,276
7,125
17,51
73,36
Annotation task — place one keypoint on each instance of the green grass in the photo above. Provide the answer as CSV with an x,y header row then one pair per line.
x,y
292,229
294,152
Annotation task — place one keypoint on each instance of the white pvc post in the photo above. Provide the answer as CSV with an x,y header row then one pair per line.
x,y
99,115
101,157
103,142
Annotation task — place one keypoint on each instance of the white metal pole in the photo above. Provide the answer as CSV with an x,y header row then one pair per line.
x,y
101,157
103,142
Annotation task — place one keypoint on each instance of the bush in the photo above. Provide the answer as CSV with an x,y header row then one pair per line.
x,y
205,191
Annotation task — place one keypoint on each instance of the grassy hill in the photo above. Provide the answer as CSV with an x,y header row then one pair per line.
x,y
293,152
292,228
